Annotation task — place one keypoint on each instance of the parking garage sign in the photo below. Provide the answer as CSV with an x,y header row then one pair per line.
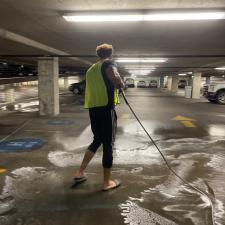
x,y
21,145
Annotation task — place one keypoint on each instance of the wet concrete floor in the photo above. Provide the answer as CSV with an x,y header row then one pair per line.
x,y
35,185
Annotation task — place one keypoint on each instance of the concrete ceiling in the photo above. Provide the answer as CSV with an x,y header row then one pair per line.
x,y
42,21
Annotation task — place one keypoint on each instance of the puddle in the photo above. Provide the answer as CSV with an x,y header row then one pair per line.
x,y
31,106
217,130
28,184
194,144
34,177
170,199
29,190
167,204
217,162
137,170
166,200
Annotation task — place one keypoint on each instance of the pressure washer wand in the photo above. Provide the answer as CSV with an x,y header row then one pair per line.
x,y
165,160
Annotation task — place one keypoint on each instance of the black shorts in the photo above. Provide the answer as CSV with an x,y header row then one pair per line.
x,y
103,126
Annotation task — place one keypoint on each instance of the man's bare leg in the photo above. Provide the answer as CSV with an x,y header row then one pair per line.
x,y
108,183
87,158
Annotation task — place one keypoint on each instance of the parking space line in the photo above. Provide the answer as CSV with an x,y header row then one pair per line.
x,y
45,131
3,170
15,131
187,122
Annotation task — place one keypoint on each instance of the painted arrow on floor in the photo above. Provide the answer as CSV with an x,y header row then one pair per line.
x,y
187,122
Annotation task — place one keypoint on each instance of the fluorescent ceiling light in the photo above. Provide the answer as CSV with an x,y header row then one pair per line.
x,y
140,71
220,68
141,60
139,67
142,76
216,15
103,18
139,74
182,74
185,16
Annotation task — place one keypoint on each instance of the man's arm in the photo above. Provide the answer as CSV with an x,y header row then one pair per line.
x,y
114,76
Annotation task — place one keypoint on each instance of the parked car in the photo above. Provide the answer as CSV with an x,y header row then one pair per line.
x,y
204,90
216,92
182,83
12,70
129,83
153,84
78,88
141,84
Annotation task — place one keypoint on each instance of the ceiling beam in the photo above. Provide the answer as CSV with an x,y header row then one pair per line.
x,y
31,43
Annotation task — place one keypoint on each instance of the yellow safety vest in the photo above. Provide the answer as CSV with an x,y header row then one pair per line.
x,y
96,92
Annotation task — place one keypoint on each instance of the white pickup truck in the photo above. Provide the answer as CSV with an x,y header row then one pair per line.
x,y
216,92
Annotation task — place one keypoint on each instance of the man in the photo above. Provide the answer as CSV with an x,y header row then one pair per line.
x,y
101,96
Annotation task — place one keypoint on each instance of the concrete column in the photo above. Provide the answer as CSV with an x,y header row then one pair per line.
x,y
169,83
66,83
48,86
207,80
174,86
9,94
196,85
161,82
190,81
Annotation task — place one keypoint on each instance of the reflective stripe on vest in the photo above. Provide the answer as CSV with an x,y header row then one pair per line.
x,y
96,91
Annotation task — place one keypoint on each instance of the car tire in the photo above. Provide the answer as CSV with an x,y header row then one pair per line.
x,y
76,91
212,100
220,97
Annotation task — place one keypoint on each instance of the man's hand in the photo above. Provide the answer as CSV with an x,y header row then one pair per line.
x,y
114,76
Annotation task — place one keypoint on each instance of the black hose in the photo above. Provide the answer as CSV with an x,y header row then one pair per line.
x,y
167,164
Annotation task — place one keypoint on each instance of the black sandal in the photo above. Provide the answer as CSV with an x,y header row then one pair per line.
x,y
78,181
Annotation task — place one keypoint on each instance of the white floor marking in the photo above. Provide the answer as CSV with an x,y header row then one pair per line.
x,y
15,131
44,131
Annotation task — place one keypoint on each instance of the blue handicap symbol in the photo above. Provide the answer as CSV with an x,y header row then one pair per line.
x,y
21,144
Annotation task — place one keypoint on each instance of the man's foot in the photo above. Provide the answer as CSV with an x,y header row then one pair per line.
x,y
112,184
78,175
78,181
